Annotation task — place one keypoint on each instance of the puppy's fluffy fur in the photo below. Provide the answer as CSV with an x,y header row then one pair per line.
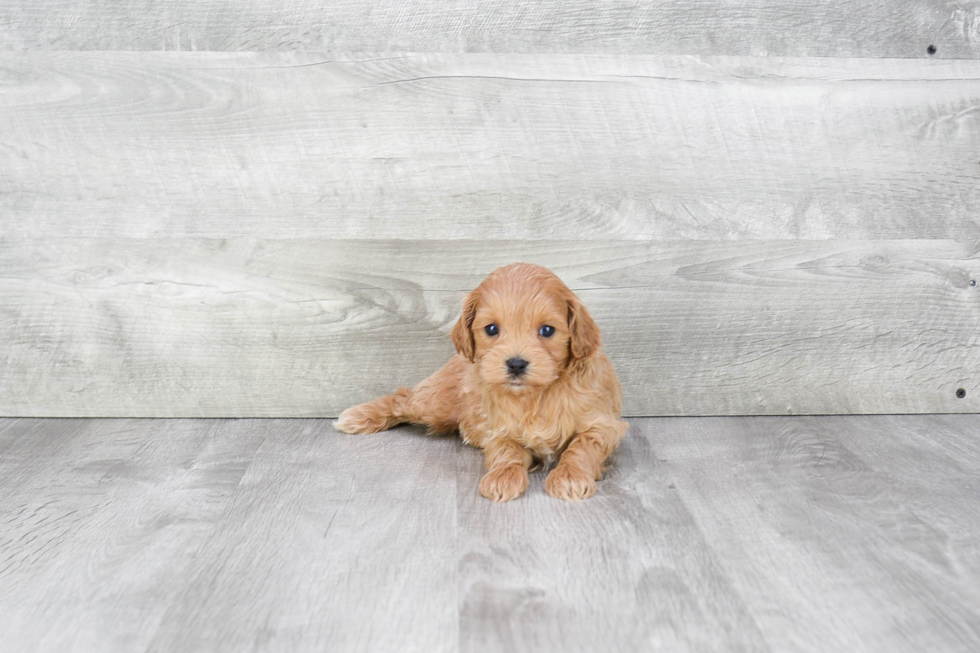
x,y
566,403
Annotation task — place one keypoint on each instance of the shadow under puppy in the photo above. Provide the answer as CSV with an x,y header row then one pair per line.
x,y
529,381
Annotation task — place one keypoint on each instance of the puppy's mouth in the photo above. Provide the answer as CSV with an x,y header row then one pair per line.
x,y
515,382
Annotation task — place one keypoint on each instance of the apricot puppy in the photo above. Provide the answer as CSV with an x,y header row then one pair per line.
x,y
529,382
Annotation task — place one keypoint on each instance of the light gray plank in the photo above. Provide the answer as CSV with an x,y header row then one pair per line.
x,y
194,327
100,522
625,571
332,543
831,550
893,28
478,146
907,453
225,536
725,534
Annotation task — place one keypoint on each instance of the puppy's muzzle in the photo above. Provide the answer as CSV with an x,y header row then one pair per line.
x,y
516,366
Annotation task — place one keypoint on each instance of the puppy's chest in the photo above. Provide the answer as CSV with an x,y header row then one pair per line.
x,y
541,438
542,429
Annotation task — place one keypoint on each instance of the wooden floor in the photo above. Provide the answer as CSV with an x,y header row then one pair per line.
x,y
728,534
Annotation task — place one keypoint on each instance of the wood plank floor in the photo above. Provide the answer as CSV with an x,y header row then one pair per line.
x,y
734,534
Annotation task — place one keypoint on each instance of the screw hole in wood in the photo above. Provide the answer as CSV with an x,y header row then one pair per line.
x,y
931,49
960,393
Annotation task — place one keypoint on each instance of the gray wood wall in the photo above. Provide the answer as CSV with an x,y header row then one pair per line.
x,y
221,208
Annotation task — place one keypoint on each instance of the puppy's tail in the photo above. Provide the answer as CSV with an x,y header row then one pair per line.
x,y
378,415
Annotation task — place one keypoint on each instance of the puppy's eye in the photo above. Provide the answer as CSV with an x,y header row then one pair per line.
x,y
546,331
491,329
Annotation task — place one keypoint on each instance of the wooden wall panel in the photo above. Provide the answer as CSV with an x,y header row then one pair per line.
x,y
246,327
250,208
876,28
487,146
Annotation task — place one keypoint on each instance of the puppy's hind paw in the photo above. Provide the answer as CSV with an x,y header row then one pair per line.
x,y
569,483
362,419
504,483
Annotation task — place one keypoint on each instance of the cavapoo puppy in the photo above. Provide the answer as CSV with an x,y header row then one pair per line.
x,y
528,382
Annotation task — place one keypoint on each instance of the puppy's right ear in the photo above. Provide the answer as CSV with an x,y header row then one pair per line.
x,y
462,333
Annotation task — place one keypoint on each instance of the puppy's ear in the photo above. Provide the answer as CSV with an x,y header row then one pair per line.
x,y
462,333
584,331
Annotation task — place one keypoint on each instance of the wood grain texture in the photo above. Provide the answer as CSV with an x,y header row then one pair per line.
x,y
787,534
625,571
840,502
880,28
482,146
237,327
190,535
101,522
339,543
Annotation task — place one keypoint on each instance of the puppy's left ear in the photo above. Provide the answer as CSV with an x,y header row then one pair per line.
x,y
584,331
462,334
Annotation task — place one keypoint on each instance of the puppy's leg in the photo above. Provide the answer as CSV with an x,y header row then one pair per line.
x,y
507,463
580,466
378,415
433,402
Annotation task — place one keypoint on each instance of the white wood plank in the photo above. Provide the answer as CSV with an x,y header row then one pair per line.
x,y
487,146
194,327
892,28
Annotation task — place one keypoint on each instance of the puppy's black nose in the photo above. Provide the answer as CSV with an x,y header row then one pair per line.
x,y
516,366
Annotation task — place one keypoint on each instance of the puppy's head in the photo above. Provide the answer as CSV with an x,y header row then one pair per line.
x,y
522,327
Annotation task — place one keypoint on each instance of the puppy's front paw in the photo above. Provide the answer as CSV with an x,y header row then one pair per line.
x,y
504,483
362,419
569,483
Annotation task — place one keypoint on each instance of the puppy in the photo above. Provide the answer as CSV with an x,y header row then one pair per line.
x,y
528,382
